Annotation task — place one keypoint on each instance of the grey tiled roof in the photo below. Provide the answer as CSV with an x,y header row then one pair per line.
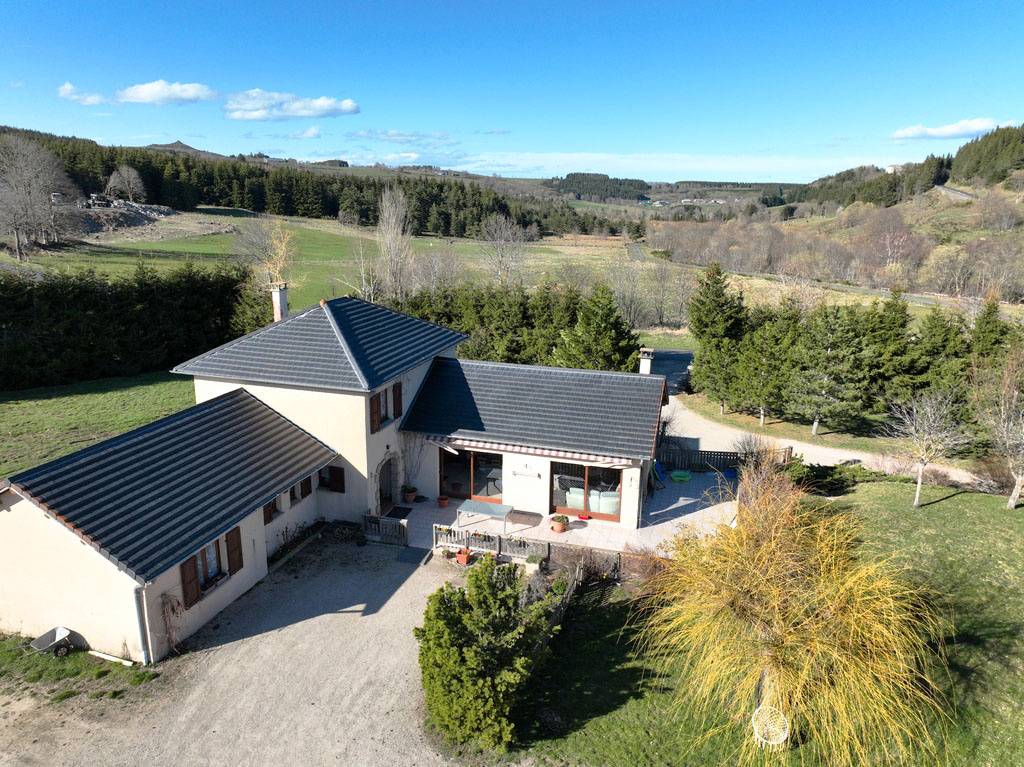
x,y
152,496
584,411
347,344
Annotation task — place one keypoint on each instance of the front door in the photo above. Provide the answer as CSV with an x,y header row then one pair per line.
x,y
386,487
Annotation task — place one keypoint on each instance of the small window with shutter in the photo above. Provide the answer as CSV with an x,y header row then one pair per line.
x,y
190,582
396,396
336,476
375,413
234,545
306,487
270,511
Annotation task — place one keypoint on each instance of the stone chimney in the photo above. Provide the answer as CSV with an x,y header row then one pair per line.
x,y
646,357
279,296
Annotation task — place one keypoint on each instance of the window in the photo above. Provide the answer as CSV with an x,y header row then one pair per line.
x,y
270,511
333,478
471,474
379,410
306,486
592,490
203,570
293,493
209,564
396,399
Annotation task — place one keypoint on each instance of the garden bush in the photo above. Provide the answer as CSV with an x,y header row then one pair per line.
x,y
477,651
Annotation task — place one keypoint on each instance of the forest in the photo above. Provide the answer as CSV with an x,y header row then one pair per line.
x,y
598,187
438,206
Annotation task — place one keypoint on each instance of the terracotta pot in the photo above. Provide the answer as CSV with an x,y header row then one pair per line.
x,y
442,501
462,557
558,527
409,497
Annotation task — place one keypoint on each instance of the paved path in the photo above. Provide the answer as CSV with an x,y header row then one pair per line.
x,y
315,665
703,434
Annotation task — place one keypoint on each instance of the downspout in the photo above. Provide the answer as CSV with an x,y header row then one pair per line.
x,y
140,611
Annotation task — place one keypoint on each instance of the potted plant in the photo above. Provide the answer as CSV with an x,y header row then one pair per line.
x,y
558,523
533,563
442,501
447,553
409,493
360,538
463,556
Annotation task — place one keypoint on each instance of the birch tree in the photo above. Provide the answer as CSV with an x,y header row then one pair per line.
x,y
394,238
999,400
503,248
29,174
926,430
126,182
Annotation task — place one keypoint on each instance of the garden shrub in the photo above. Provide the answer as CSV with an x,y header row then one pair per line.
x,y
832,480
476,653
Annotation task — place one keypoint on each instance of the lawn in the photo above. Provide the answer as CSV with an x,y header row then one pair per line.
x,y
658,338
58,679
38,425
612,707
859,439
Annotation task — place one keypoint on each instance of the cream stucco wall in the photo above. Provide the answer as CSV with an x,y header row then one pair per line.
x,y
254,567
293,517
50,577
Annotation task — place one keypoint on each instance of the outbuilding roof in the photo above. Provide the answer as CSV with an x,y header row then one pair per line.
x,y
581,411
346,344
149,498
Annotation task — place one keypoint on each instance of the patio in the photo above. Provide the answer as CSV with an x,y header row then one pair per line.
x,y
694,503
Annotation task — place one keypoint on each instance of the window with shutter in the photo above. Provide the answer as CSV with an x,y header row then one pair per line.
x,y
189,582
396,396
375,413
269,511
337,478
234,542
305,487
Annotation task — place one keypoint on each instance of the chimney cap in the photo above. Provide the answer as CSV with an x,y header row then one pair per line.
x,y
323,302
646,353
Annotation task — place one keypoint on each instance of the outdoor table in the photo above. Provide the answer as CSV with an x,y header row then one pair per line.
x,y
486,509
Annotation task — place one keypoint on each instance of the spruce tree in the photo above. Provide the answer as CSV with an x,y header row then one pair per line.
x,y
887,351
714,311
988,336
714,371
600,340
827,383
762,368
939,353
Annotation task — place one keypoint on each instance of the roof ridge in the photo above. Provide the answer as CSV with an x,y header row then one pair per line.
x,y
396,311
523,366
360,374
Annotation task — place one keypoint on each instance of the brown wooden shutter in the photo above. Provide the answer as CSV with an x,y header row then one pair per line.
x,y
189,582
268,512
234,542
375,413
396,396
336,475
306,486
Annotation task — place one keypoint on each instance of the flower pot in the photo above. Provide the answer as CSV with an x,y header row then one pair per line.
x,y
558,527
442,501
463,556
409,497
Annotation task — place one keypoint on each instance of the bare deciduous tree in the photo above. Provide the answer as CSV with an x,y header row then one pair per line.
x,y
626,282
394,238
126,182
504,248
438,268
926,430
997,213
29,174
999,399
660,286
268,247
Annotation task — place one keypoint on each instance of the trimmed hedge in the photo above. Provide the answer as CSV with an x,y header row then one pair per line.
x,y
63,328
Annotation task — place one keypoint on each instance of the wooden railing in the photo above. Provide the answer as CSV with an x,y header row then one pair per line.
x,y
509,545
672,456
385,530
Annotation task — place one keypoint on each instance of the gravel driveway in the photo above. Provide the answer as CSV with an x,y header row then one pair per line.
x,y
315,665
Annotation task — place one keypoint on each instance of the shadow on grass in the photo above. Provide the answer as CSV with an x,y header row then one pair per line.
x,y
943,498
591,669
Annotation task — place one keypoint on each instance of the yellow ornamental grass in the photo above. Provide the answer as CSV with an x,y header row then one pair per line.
x,y
782,611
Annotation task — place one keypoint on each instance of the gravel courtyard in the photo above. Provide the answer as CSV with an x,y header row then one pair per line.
x,y
315,665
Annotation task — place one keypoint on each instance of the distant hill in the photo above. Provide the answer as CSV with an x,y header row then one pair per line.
x,y
179,148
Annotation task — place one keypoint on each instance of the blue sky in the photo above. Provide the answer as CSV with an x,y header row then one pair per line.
x,y
662,91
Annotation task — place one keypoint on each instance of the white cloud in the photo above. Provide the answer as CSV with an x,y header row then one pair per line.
x,y
71,93
163,92
258,104
16,84
311,132
960,129
402,158
432,139
495,132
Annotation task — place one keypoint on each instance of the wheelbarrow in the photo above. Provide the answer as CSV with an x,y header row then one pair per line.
x,y
56,640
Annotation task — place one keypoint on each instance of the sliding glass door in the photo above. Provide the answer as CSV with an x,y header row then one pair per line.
x,y
594,491
471,475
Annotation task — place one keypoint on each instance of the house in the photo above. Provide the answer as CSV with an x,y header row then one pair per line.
x,y
137,541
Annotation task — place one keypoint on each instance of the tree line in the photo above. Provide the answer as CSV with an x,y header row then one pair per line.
x,y
990,158
831,364
439,206
63,328
873,185
598,187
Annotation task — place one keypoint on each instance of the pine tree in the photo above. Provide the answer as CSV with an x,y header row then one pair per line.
x,y
762,368
988,336
828,378
600,340
714,311
887,351
939,353
714,371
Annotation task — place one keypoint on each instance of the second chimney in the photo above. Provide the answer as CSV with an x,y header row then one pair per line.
x,y
646,357
279,297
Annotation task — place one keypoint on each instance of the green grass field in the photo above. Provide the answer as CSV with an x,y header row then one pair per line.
x,y
617,708
38,425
